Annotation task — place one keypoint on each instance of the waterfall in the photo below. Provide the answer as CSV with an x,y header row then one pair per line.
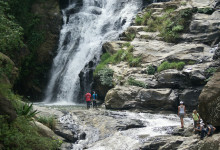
x,y
81,38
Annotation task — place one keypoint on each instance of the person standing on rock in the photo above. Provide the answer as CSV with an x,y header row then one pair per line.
x,y
88,99
196,117
181,112
94,98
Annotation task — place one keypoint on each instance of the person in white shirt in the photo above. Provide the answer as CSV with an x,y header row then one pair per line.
x,y
181,112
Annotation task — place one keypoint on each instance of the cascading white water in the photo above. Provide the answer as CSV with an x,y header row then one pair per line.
x,y
81,39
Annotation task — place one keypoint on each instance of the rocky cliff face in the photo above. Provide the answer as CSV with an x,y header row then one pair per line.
x,y
209,100
32,84
194,46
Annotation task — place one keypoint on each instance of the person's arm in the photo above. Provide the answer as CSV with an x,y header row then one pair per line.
x,y
184,110
214,128
197,129
209,130
178,110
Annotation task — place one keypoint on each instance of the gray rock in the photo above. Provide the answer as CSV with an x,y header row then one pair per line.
x,y
196,73
190,97
202,23
136,97
209,100
202,3
45,131
172,78
157,99
216,52
122,97
156,51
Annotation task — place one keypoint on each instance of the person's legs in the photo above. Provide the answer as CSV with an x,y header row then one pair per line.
x,y
94,104
181,119
195,123
203,134
88,104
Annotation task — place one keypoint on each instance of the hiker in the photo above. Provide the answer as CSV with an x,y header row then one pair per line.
x,y
196,117
181,113
201,129
94,98
88,100
210,129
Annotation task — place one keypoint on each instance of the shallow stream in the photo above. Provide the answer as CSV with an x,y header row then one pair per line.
x,y
102,129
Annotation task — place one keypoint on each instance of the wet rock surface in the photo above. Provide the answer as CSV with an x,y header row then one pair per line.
x,y
123,130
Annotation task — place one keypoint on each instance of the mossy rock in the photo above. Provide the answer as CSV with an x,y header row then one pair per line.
x,y
8,71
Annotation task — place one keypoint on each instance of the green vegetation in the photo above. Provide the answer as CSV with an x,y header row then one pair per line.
x,y
106,76
138,20
132,81
211,70
50,122
21,135
120,55
170,25
174,65
27,111
151,70
130,36
206,10
11,33
20,34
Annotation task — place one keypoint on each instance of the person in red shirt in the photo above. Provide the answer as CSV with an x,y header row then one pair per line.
x,y
88,99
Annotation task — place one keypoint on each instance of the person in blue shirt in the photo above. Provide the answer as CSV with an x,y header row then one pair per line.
x,y
94,98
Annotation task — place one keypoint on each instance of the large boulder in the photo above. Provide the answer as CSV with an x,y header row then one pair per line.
x,y
196,73
157,99
155,51
172,78
204,28
122,97
130,97
209,100
190,97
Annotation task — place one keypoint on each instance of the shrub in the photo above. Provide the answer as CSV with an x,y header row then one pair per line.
x,y
174,65
50,122
130,36
146,17
127,44
106,76
130,49
171,24
206,10
135,61
151,70
132,81
11,34
21,135
26,110
211,70
138,20
179,65
191,62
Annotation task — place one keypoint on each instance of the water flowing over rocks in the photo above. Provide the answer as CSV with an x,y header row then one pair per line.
x,y
122,130
197,47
